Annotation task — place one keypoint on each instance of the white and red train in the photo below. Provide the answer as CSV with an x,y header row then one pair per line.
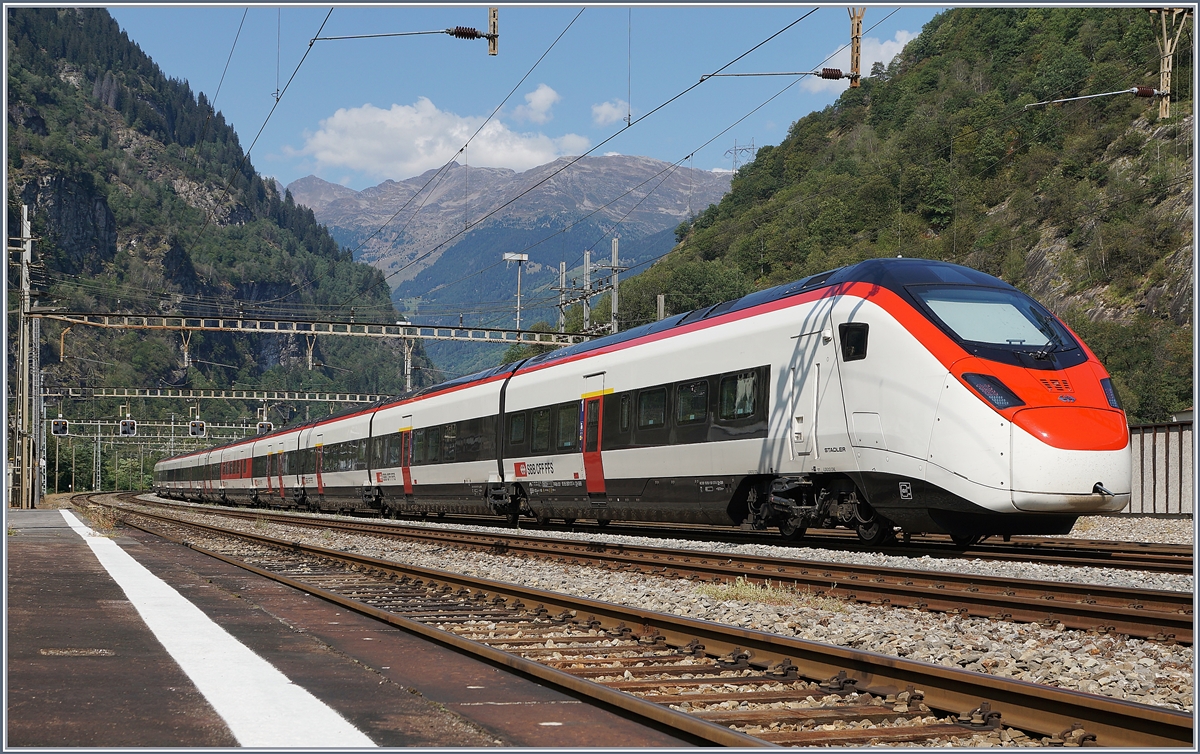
x,y
892,395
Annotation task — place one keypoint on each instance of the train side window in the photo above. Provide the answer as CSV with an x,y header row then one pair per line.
x,y
739,396
470,439
449,441
652,408
539,441
259,466
433,445
419,443
394,444
854,340
691,402
625,406
567,436
516,429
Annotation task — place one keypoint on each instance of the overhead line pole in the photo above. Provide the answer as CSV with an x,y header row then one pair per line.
x,y
1166,51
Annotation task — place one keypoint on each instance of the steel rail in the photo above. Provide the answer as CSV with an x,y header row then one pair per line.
x,y
1082,553
701,729
1143,613
1045,710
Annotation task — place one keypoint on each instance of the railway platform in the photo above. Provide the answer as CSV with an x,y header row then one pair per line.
x,y
110,645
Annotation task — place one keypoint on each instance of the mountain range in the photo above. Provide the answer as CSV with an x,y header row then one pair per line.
x,y
406,228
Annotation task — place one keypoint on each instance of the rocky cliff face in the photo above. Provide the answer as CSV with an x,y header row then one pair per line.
x,y
79,225
1053,270
645,196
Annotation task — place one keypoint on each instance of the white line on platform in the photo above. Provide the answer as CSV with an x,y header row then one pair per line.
x,y
259,704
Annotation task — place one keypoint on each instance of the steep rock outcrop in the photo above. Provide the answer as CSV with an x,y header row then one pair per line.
x,y
80,229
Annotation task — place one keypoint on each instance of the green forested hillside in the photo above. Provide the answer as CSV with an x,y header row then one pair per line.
x,y
143,202
1086,205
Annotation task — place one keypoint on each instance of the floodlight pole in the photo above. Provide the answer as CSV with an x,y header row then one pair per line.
x,y
520,259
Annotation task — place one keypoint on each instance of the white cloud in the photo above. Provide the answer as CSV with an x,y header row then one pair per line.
x,y
873,51
609,112
612,154
407,140
538,104
720,170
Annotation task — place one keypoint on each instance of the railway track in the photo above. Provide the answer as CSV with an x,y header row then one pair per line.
x,y
1066,551
722,684
1150,614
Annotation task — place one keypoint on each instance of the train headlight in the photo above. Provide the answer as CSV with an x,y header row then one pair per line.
x,y
993,390
1110,393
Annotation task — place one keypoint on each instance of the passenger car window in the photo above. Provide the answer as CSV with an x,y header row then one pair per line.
x,y
449,441
516,429
539,441
691,402
652,408
625,404
738,396
854,340
567,437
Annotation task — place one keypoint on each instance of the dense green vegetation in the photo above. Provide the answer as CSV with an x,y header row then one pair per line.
x,y
144,202
1086,205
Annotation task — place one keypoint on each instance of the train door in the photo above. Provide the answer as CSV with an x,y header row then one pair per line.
x,y
593,413
861,382
281,469
270,469
817,431
320,453
406,455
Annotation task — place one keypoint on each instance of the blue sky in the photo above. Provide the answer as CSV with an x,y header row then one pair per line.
x,y
363,111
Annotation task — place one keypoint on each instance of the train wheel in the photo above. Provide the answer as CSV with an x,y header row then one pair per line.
x,y
790,531
514,518
603,522
569,521
874,532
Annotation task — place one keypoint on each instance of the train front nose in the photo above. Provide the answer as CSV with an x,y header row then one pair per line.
x,y
1070,460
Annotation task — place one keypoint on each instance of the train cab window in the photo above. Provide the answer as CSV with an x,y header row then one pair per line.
x,y
516,429
567,436
854,340
691,402
652,408
626,402
738,397
539,441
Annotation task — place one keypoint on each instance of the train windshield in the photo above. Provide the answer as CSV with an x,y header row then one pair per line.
x,y
996,317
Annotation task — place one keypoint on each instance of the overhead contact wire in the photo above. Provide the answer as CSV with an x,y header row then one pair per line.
x,y
572,162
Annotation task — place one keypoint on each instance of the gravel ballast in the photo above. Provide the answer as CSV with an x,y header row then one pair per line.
x,y
1124,668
